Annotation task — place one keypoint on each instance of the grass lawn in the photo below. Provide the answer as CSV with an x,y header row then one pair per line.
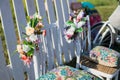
x,y
105,11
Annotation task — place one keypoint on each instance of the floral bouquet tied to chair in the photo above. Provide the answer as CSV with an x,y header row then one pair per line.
x,y
75,23
26,47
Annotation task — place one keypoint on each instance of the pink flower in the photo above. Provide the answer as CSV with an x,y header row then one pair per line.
x,y
20,49
23,57
44,32
31,17
29,30
26,59
39,25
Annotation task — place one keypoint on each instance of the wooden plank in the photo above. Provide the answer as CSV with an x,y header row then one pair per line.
x,y
8,27
42,11
19,16
3,68
30,6
41,57
21,24
56,44
49,50
50,11
60,24
72,44
36,64
89,33
65,11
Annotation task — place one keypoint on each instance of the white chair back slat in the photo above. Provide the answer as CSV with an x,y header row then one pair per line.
x,y
20,16
59,15
49,49
65,5
72,44
42,11
39,59
30,72
50,11
3,68
56,45
8,27
36,64
30,6
78,47
21,24
65,10
42,57
72,50
89,33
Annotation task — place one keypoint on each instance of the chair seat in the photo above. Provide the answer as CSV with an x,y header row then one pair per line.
x,y
67,73
89,63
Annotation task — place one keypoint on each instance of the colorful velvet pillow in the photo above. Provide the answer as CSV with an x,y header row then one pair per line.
x,y
105,56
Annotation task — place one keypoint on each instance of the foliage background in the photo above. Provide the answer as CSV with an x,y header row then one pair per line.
x,y
104,7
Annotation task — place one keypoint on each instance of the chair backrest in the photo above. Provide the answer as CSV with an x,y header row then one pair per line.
x,y
114,19
53,48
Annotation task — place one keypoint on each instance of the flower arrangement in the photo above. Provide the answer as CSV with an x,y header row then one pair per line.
x,y
74,25
27,46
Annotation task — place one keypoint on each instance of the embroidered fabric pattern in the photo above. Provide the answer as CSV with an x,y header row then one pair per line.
x,y
67,73
105,56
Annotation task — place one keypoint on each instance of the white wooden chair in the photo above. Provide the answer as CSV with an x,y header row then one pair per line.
x,y
85,62
54,50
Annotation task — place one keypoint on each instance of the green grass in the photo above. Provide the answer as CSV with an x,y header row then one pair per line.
x,y
101,2
104,7
105,11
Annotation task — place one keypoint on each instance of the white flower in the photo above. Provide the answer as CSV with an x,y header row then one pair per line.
x,y
80,24
33,37
19,48
70,31
68,40
80,15
26,48
29,30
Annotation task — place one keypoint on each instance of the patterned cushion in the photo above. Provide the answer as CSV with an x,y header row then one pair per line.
x,y
67,73
105,56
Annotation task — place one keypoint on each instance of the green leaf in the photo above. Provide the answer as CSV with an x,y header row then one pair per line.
x,y
32,21
30,52
35,22
68,23
79,29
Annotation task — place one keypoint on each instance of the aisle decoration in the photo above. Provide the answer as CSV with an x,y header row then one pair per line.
x,y
27,46
74,25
